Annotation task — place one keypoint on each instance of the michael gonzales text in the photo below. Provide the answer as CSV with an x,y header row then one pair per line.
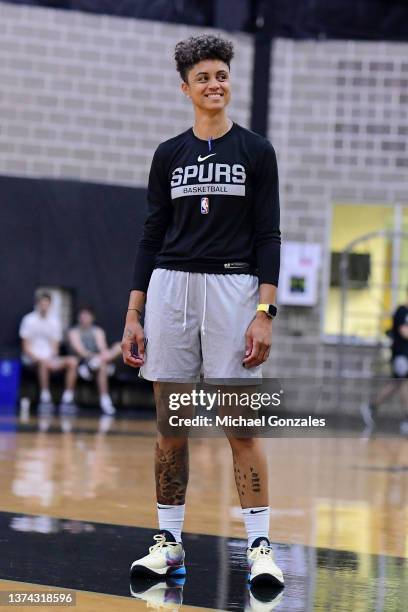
x,y
241,421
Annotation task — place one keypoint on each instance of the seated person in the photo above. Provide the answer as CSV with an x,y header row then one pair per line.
x,y
41,336
88,342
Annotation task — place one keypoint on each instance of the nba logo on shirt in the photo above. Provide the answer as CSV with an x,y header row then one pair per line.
x,y
205,206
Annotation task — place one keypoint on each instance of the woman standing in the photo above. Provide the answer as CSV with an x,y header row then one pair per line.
x,y
208,263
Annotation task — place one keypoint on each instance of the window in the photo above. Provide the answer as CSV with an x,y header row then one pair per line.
x,y
377,275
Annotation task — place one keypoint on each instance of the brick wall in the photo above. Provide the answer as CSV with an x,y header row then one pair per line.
x,y
90,97
338,120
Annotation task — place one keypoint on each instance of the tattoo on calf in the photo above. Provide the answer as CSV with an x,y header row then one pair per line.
x,y
242,481
171,469
239,480
255,481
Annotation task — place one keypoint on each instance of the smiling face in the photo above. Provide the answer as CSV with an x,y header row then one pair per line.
x,y
208,85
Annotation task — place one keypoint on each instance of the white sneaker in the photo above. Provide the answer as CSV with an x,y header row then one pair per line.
x,y
67,398
106,405
45,397
166,593
165,558
262,567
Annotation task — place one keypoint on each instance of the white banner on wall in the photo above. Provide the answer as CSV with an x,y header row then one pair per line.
x,y
300,262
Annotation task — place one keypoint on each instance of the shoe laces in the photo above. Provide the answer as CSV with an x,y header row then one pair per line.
x,y
260,551
160,542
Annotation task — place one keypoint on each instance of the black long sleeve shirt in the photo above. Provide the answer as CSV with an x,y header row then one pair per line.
x,y
213,206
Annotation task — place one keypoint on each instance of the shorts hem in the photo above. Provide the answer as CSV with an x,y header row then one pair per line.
x,y
209,380
167,378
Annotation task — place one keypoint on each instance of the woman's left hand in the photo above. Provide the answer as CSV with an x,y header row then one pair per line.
x,y
258,340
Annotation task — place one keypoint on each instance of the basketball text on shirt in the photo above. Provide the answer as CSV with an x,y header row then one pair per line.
x,y
228,179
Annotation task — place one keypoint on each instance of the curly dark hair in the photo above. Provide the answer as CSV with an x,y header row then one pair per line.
x,y
198,48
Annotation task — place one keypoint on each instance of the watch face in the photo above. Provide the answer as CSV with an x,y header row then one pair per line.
x,y
272,310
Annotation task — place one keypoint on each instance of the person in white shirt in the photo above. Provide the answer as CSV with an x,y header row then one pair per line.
x,y
41,336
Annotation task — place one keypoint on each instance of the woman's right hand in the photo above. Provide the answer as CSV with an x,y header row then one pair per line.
x,y
133,336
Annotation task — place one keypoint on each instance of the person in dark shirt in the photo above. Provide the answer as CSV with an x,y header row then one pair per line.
x,y
399,369
88,342
400,342
208,266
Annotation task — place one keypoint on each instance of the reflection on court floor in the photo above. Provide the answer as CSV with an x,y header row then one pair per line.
x,y
77,507
95,557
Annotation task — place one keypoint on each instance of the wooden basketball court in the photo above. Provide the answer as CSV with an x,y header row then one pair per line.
x,y
77,507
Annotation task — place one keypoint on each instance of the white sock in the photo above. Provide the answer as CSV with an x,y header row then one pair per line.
x,y
256,523
45,395
67,396
171,518
105,398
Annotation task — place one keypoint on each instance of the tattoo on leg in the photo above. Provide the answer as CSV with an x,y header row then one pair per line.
x,y
171,470
255,481
241,486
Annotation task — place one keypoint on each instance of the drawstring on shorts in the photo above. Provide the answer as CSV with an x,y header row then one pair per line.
x,y
205,305
185,303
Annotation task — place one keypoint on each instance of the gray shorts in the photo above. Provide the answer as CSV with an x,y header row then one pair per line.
x,y
195,326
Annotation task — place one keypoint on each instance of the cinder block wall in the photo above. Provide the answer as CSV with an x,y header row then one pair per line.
x,y
338,120
90,97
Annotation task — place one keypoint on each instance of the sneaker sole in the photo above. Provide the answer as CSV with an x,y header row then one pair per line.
x,y
146,572
266,580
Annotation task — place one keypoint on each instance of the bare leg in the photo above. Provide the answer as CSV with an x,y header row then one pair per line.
x,y
44,375
102,379
251,471
71,364
171,455
249,457
171,470
389,389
